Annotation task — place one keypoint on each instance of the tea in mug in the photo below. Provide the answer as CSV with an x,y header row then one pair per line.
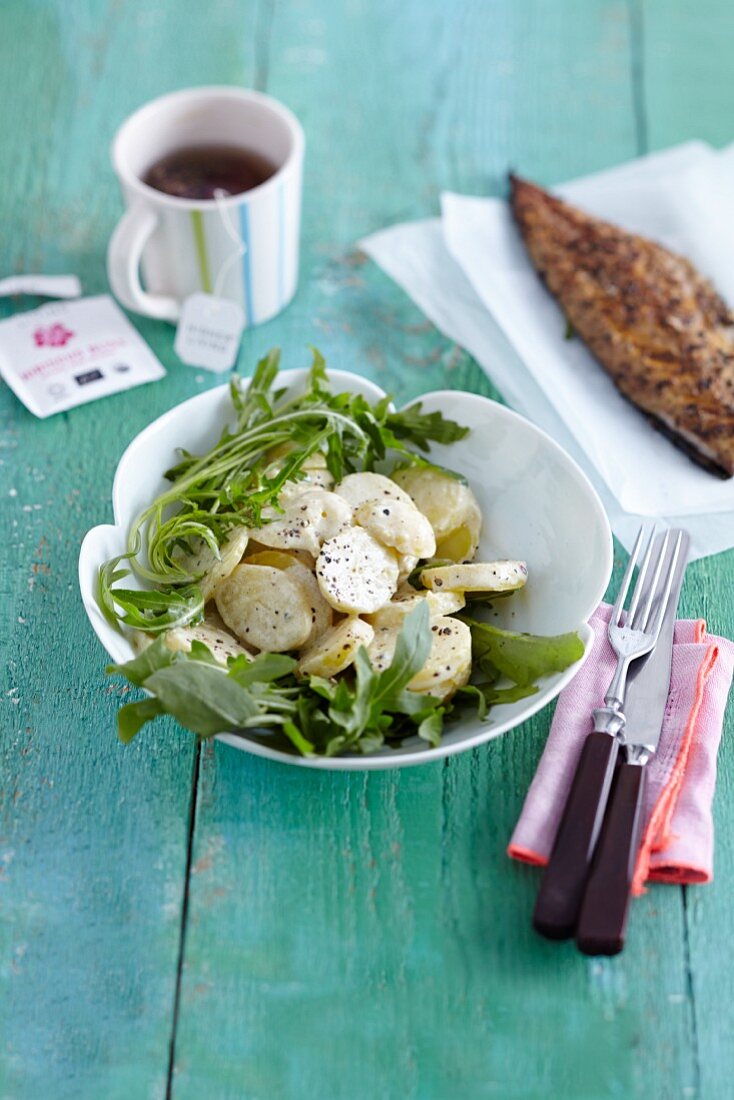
x,y
205,171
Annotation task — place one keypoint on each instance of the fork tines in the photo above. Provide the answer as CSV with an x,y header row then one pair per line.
x,y
649,600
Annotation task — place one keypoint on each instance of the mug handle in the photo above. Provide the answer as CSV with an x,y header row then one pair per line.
x,y
124,254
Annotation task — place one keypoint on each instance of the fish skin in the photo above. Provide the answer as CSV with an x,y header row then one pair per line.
x,y
658,328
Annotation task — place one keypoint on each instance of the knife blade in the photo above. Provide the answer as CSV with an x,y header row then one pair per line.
x,y
603,915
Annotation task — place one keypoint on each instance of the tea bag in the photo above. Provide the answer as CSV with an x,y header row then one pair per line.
x,y
65,354
210,327
209,332
44,286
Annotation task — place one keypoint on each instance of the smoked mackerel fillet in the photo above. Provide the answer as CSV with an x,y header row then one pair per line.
x,y
654,323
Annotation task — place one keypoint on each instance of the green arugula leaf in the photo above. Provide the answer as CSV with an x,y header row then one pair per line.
x,y
149,611
352,710
202,697
325,688
153,658
431,728
253,400
413,704
411,653
132,717
201,652
262,669
335,459
472,693
414,579
318,379
360,714
485,696
418,460
523,658
420,428
296,737
312,720
495,696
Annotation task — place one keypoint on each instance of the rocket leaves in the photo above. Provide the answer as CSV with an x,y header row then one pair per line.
x,y
522,658
360,713
262,695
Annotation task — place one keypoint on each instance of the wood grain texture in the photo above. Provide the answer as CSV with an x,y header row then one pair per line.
x,y
688,90
93,838
347,936
366,936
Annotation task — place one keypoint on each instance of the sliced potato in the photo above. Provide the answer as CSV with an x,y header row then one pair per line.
x,y
265,607
397,525
322,612
450,507
218,640
307,520
382,647
212,632
461,545
356,573
489,577
357,488
276,559
140,640
406,565
449,663
254,547
316,461
334,651
215,570
393,613
316,478
448,666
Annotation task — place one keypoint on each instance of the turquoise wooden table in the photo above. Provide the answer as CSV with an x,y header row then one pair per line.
x,y
187,923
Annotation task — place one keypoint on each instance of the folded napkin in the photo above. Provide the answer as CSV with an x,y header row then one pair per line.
x,y
678,838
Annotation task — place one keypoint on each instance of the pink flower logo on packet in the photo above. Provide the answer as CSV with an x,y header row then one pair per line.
x,y
52,336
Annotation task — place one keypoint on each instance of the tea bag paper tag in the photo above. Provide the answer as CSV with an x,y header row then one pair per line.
x,y
65,354
209,332
44,286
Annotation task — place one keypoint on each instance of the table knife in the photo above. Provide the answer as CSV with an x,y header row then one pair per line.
x,y
604,909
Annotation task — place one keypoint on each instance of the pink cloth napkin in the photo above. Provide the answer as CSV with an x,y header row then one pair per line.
x,y
678,837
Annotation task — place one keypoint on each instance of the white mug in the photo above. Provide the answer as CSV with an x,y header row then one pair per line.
x,y
245,246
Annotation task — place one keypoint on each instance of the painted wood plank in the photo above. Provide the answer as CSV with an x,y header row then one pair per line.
x,y
93,837
353,936
686,71
688,93
416,972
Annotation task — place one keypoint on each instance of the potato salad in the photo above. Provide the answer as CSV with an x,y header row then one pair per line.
x,y
314,581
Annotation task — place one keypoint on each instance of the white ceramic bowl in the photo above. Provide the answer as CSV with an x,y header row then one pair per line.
x,y
537,506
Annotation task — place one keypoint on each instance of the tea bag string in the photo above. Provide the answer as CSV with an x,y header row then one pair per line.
x,y
234,236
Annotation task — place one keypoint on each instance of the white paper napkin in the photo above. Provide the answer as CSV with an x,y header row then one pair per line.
x,y
415,255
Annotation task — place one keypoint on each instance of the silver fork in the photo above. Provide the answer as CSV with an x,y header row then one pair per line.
x,y
632,635
638,634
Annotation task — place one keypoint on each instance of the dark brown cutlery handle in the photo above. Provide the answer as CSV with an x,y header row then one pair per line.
x,y
564,879
603,917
